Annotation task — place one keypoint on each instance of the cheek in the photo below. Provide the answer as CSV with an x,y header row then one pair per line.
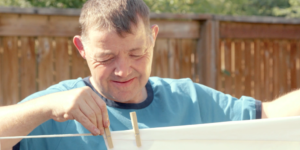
x,y
103,72
99,72
149,58
144,64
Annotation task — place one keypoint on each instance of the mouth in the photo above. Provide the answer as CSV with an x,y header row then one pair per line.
x,y
123,83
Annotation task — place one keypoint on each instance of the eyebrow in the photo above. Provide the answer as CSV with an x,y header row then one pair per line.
x,y
108,52
139,48
103,54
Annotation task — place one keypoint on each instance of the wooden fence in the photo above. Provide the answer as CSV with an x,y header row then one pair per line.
x,y
259,60
258,57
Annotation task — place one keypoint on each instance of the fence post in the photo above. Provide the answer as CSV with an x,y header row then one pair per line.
x,y
208,53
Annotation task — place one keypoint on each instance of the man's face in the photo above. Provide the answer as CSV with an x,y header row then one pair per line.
x,y
120,66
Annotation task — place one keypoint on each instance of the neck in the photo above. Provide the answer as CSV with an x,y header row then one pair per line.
x,y
139,98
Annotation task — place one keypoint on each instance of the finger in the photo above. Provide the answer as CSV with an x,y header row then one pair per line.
x,y
104,114
67,116
80,117
97,112
88,112
102,105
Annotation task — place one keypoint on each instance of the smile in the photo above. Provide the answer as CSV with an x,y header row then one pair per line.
x,y
123,83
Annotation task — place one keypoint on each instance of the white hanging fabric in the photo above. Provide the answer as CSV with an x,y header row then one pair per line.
x,y
275,134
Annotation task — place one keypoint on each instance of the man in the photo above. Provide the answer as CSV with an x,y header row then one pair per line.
x,y
117,43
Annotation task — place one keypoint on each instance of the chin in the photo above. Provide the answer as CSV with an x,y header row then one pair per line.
x,y
124,98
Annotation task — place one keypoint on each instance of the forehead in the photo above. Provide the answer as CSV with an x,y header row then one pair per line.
x,y
110,39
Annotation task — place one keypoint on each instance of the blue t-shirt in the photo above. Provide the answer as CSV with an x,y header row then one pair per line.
x,y
170,102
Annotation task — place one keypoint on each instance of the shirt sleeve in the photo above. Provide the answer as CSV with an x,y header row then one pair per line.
x,y
258,109
216,106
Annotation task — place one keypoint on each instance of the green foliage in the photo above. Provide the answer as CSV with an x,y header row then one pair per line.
x,y
178,6
15,3
194,6
57,3
291,12
284,8
223,7
264,7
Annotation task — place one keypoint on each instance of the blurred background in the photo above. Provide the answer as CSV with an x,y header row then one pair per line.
x,y
239,47
279,8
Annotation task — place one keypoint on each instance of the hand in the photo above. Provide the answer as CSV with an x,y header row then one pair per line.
x,y
81,104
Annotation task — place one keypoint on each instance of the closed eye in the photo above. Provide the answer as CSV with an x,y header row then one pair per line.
x,y
105,61
138,53
136,56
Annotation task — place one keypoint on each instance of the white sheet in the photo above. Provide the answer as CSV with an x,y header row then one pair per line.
x,y
275,134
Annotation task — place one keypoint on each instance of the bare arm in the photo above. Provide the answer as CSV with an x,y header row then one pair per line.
x,y
81,104
20,120
285,106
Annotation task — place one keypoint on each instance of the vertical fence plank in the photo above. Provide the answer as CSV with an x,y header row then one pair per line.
x,y
247,71
161,58
174,58
215,54
263,69
243,66
227,72
232,70
282,68
252,66
288,66
293,61
270,72
193,62
257,70
79,66
266,69
298,63
11,69
222,66
45,63
62,60
28,66
186,52
271,68
238,68
197,61
1,73
276,70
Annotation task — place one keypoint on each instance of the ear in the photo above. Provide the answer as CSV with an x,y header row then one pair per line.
x,y
78,44
154,29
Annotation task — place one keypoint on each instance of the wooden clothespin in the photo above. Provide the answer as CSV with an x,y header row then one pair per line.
x,y
108,138
136,129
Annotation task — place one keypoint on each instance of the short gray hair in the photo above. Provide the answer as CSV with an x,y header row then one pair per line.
x,y
113,14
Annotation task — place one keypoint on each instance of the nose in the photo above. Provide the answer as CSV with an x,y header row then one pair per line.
x,y
123,67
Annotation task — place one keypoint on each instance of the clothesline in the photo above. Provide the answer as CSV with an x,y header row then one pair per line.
x,y
44,136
